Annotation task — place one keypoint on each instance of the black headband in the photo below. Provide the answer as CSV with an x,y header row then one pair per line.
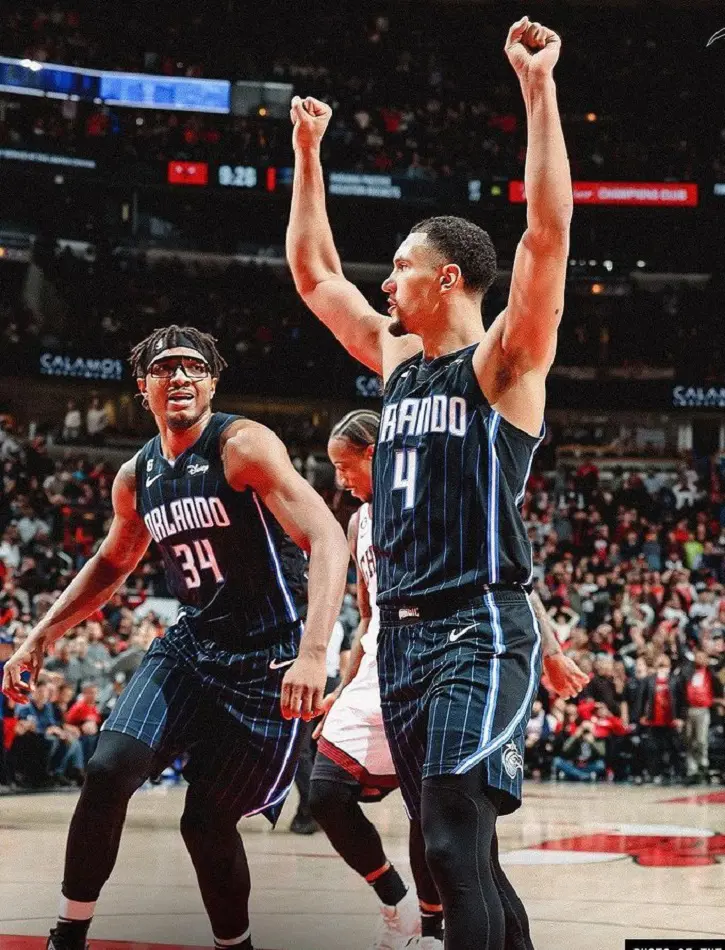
x,y
180,339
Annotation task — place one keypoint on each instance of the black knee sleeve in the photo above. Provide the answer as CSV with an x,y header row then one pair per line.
x,y
119,766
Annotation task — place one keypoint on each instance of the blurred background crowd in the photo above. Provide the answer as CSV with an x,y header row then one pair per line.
x,y
630,566
428,96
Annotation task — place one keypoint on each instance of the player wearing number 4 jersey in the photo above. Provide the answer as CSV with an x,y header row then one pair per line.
x,y
229,682
459,650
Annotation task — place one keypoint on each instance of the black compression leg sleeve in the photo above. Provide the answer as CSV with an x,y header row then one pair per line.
x,y
459,823
220,862
335,807
119,766
424,884
518,933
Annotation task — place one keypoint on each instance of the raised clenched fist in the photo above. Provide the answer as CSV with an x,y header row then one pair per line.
x,y
532,49
310,118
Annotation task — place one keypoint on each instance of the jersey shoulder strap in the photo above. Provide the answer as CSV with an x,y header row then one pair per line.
x,y
400,368
144,465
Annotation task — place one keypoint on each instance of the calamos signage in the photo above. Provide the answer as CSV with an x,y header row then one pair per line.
x,y
80,367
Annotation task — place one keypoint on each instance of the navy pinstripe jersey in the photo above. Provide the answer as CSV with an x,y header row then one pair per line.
x,y
449,477
227,559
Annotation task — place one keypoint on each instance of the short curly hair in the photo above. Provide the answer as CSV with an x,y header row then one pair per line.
x,y
462,242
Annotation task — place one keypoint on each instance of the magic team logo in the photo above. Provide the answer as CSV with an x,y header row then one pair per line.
x,y
653,846
513,761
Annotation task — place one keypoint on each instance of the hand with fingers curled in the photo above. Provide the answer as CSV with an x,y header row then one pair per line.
x,y
532,50
327,703
563,677
310,118
27,658
303,687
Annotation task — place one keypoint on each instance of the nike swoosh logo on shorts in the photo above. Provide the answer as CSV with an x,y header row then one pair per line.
x,y
459,633
276,665
150,481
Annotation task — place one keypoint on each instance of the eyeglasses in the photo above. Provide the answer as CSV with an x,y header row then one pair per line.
x,y
191,367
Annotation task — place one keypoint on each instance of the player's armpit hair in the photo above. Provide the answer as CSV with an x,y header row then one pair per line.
x,y
163,338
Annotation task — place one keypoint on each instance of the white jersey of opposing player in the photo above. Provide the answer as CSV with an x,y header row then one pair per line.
x,y
365,556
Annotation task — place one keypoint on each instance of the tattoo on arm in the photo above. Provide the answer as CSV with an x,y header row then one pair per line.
x,y
549,642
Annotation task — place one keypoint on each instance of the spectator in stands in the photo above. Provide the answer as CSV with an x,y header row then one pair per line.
x,y
540,729
701,691
662,715
96,422
97,652
41,752
72,422
84,714
582,756
601,688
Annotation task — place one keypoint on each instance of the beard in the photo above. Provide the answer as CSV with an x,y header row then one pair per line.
x,y
396,328
181,423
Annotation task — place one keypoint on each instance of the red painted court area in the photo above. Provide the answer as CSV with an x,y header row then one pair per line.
x,y
10,942
706,798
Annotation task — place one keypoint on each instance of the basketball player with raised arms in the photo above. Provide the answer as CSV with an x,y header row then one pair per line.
x,y
353,762
459,649
231,679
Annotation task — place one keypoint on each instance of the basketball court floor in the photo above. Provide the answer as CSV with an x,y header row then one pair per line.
x,y
595,864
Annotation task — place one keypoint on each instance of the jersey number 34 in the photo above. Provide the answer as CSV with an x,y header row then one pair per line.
x,y
195,558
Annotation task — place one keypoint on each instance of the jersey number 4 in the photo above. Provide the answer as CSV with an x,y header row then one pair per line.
x,y
406,464
195,558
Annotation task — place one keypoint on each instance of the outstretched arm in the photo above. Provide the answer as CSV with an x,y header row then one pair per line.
x,y
536,298
118,555
313,257
523,336
255,458
561,674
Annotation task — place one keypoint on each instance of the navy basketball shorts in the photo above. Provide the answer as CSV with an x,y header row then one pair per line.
x,y
457,693
222,710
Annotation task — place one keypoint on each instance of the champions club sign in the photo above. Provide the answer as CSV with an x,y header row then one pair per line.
x,y
643,194
81,367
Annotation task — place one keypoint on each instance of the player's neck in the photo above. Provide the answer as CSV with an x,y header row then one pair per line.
x,y
453,332
174,442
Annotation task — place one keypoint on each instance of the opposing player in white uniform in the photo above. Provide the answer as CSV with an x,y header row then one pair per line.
x,y
353,762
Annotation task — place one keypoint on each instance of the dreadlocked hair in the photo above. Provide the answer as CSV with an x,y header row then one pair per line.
x,y
359,427
164,338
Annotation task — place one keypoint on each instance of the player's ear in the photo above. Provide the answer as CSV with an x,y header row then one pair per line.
x,y
141,383
450,277
369,452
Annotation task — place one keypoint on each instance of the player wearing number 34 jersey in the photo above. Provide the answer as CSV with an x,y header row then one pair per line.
x,y
228,683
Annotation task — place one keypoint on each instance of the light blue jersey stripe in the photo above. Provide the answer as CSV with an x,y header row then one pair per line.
x,y
493,477
487,747
275,560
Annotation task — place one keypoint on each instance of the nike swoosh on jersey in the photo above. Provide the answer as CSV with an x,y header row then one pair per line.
x,y
150,481
459,633
276,665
